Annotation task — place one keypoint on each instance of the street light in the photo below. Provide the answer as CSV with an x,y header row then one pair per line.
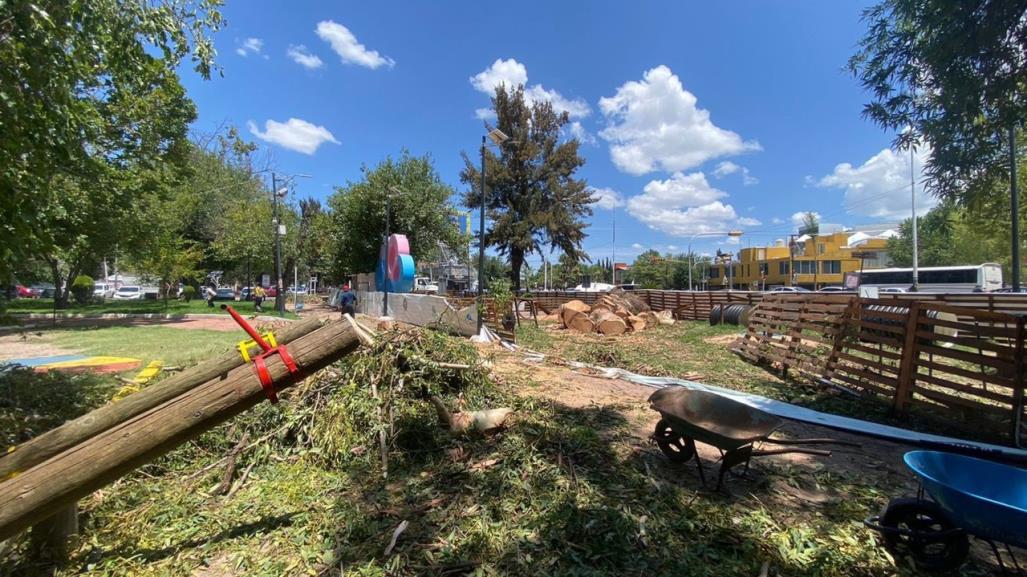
x,y
691,263
275,194
498,138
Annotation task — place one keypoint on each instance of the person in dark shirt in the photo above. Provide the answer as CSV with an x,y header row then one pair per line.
x,y
348,301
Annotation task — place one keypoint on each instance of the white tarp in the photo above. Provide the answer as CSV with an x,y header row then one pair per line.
x,y
420,310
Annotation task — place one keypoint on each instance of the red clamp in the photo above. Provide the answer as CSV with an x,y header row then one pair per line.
x,y
258,361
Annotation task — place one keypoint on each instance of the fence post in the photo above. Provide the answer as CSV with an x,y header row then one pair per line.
x,y
1018,384
907,368
694,313
839,338
796,336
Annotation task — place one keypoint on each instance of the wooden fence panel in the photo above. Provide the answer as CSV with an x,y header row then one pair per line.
x,y
964,363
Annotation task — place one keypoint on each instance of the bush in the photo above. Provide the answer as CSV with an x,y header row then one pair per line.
x,y
188,292
82,289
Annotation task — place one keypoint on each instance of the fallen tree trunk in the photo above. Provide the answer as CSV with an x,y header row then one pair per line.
x,y
50,443
72,474
608,323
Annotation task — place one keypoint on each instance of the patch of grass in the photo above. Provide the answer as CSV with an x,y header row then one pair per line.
x,y
183,347
170,307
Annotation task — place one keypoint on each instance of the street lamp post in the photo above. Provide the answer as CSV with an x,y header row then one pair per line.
x,y
275,193
498,137
691,259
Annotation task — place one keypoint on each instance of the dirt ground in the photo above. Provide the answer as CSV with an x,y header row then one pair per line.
x,y
29,345
575,389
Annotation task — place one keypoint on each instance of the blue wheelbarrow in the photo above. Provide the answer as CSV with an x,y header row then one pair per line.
x,y
959,497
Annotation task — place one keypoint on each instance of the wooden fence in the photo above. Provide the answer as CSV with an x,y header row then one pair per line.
x,y
964,362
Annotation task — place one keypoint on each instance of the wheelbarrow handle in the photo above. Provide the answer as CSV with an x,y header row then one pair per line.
x,y
811,442
819,452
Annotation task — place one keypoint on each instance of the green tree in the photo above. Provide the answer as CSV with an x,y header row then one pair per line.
x,y
88,87
533,198
953,71
649,270
810,224
419,208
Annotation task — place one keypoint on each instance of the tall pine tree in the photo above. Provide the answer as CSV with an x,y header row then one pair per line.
x,y
533,199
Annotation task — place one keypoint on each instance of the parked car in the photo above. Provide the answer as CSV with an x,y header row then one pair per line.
x,y
246,293
128,293
103,290
224,294
271,291
892,289
789,289
302,290
43,290
835,289
24,292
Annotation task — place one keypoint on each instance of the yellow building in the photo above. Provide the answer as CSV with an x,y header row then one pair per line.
x,y
813,263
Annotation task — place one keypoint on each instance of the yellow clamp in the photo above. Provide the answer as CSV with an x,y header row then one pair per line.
x,y
244,346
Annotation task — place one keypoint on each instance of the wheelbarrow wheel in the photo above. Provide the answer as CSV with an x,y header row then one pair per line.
x,y
924,532
677,448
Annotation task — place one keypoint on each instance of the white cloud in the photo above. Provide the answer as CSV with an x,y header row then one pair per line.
x,y
606,198
732,240
655,124
294,134
747,221
879,188
345,44
637,246
776,220
250,46
512,73
300,55
672,247
799,217
683,205
727,167
584,136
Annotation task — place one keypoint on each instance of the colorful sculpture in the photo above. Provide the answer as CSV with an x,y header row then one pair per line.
x,y
395,265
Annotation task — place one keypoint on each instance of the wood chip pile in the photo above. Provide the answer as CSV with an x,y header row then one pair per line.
x,y
614,313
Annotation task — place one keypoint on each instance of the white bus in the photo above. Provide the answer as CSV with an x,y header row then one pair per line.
x,y
941,279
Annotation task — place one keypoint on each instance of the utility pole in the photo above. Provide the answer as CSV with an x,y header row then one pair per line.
x,y
481,240
791,260
279,296
1014,203
613,262
916,241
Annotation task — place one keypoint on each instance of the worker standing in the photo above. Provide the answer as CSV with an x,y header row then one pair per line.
x,y
348,301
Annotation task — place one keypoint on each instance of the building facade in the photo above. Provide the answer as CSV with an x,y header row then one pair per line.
x,y
810,261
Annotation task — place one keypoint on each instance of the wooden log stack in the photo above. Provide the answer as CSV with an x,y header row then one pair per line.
x,y
614,313
93,461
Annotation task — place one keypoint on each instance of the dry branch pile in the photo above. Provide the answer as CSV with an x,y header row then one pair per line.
x,y
614,313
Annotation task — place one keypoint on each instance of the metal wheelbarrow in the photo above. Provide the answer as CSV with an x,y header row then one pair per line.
x,y
691,416
964,496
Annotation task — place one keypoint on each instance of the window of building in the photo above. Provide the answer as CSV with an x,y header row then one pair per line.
x,y
831,266
821,249
805,266
782,268
714,272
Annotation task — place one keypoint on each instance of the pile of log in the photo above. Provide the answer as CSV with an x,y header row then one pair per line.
x,y
613,313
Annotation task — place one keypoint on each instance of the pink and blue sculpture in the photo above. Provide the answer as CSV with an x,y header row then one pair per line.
x,y
395,265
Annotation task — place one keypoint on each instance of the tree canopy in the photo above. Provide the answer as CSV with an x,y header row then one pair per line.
x,y
89,89
953,72
418,207
533,199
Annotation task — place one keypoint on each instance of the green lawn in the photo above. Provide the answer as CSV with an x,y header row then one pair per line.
x,y
172,307
173,346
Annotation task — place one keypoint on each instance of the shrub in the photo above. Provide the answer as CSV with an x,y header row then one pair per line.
x,y
188,292
82,289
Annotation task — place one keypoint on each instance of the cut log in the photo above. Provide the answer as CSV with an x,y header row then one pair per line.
x,y
73,474
41,448
637,323
651,320
572,313
665,317
608,323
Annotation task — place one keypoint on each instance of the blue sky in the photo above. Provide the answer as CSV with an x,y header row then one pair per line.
x,y
695,117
